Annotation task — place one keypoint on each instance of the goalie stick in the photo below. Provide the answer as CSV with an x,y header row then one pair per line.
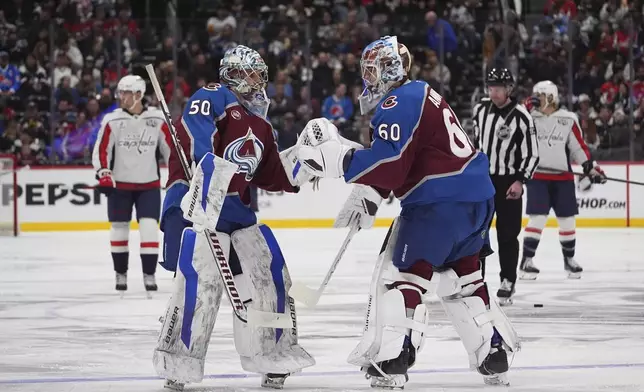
x,y
244,314
310,297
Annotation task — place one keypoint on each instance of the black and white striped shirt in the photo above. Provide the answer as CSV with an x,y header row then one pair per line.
x,y
508,137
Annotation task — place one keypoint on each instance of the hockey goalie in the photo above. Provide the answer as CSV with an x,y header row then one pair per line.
x,y
225,125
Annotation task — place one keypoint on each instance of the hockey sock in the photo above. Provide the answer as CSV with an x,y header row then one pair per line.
x,y
148,231
119,233
411,291
149,263
470,265
567,236
532,234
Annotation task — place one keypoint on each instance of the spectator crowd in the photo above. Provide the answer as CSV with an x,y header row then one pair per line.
x,y
60,61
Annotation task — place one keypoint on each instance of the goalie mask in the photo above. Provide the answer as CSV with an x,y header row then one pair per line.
x,y
243,70
130,90
548,94
384,63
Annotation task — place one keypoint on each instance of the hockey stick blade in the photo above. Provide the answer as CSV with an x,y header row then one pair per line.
x,y
309,297
305,295
268,319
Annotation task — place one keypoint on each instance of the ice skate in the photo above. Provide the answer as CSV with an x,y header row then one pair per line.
x,y
121,283
173,385
274,381
505,293
392,374
150,284
574,270
495,367
528,270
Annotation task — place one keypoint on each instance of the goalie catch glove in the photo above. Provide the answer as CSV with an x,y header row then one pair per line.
x,y
106,182
323,150
360,207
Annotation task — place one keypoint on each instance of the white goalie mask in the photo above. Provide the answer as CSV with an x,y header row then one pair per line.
x,y
548,94
383,64
244,71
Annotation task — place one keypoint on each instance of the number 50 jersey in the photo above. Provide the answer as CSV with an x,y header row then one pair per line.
x,y
420,151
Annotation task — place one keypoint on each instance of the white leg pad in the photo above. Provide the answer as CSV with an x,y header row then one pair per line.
x,y
192,310
387,323
471,318
262,349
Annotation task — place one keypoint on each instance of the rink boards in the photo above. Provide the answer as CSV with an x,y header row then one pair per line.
x,y
60,199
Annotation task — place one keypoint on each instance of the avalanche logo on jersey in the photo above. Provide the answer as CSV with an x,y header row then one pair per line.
x,y
246,153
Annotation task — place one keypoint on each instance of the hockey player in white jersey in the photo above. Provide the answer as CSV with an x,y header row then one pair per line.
x,y
126,159
553,185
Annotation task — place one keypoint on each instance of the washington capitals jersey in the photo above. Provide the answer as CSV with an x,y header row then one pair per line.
x,y
130,145
215,121
420,151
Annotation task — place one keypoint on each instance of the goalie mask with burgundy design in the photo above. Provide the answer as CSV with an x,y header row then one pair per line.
x,y
384,64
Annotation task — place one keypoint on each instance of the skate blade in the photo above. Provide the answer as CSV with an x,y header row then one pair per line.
x,y
529,275
148,295
506,301
173,385
574,275
273,382
497,379
121,294
393,382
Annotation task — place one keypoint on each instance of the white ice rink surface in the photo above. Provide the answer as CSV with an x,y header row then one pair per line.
x,y
63,328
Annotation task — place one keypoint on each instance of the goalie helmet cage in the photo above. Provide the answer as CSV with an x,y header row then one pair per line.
x,y
8,195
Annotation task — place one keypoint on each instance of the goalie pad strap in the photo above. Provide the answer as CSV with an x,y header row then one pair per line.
x,y
450,284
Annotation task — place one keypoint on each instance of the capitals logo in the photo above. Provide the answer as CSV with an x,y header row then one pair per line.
x,y
246,153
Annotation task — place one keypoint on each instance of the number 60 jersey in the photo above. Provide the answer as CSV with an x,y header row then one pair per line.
x,y
420,151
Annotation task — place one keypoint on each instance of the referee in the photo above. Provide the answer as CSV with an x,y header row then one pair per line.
x,y
504,131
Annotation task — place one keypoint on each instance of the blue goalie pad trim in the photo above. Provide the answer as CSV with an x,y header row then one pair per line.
x,y
277,270
208,167
186,254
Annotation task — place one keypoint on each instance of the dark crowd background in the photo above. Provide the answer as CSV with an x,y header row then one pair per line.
x,y
60,61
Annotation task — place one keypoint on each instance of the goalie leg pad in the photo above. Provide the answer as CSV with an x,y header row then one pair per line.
x,y
473,313
388,323
268,350
192,311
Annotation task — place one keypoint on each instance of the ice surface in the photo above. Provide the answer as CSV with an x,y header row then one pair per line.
x,y
63,328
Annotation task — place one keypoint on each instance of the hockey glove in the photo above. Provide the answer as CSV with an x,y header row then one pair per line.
x,y
326,159
592,170
532,103
361,206
106,184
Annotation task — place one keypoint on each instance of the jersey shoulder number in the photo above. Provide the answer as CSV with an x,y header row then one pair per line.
x,y
209,101
459,144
